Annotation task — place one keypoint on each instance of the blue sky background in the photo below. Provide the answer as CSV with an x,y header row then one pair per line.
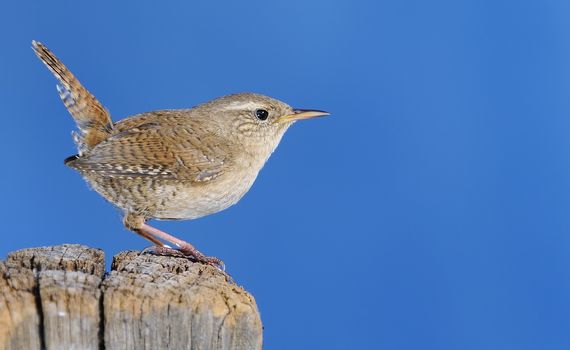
x,y
431,211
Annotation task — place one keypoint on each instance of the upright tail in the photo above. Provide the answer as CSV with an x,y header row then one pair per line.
x,y
93,120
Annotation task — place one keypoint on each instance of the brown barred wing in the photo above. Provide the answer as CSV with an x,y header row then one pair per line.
x,y
149,150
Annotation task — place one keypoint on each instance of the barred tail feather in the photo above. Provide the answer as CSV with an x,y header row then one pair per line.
x,y
93,120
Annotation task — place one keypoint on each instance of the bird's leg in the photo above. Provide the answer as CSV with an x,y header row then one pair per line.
x,y
184,247
151,238
136,223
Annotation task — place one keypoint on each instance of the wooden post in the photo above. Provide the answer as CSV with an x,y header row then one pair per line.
x,y
60,298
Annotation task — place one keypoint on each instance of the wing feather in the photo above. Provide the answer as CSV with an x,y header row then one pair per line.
x,y
148,149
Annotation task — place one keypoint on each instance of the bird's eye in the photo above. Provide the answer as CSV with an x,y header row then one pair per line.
x,y
261,114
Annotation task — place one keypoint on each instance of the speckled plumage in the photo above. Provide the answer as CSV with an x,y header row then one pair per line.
x,y
172,164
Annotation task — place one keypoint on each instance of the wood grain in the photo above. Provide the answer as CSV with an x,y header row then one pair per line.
x,y
60,298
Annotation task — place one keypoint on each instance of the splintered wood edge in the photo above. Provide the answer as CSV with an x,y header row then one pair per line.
x,y
35,282
193,300
66,257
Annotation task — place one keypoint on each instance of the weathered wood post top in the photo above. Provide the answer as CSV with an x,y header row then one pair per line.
x,y
61,298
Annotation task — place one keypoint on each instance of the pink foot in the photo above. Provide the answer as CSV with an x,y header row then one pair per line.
x,y
184,252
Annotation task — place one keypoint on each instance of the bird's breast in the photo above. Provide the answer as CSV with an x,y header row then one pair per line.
x,y
191,200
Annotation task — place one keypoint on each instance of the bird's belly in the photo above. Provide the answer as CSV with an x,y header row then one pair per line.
x,y
173,199
191,201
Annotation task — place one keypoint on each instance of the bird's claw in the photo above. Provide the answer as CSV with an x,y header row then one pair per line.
x,y
194,254
215,262
191,254
163,250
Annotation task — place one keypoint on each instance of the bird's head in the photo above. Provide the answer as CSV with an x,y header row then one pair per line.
x,y
253,120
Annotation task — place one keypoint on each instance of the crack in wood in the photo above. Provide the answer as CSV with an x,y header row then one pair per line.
x,y
60,297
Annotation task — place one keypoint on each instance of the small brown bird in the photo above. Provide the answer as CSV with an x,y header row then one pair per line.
x,y
172,164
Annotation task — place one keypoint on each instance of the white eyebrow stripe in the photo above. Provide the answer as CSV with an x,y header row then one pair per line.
x,y
242,106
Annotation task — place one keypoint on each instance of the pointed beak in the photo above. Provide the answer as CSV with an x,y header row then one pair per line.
x,y
299,114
